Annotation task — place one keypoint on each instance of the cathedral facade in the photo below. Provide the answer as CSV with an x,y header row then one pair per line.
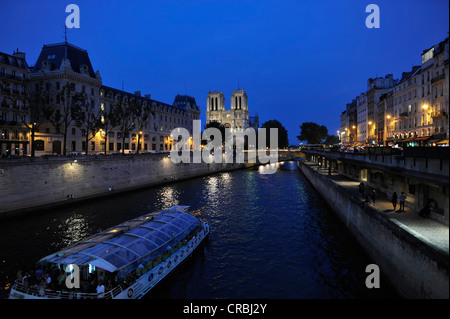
x,y
237,118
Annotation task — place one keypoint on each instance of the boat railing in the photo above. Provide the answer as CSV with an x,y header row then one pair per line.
x,y
41,292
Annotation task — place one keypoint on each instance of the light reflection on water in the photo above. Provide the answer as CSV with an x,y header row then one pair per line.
x,y
73,229
272,236
168,197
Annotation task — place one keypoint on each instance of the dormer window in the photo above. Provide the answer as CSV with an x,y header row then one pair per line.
x,y
84,69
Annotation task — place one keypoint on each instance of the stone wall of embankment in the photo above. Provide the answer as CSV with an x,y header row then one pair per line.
x,y
415,269
39,183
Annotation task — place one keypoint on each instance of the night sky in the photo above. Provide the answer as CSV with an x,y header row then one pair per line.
x,y
297,60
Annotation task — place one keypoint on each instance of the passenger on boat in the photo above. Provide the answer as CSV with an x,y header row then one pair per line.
x,y
61,278
19,276
100,289
140,270
47,280
26,280
38,274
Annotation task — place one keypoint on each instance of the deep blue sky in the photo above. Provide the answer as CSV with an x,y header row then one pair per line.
x,y
297,60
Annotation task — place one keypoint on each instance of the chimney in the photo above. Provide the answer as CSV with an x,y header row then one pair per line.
x,y
18,54
148,96
138,93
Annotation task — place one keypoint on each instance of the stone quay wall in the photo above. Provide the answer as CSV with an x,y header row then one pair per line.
x,y
36,183
414,268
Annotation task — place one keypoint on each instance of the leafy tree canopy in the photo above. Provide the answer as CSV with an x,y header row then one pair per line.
x,y
312,132
282,133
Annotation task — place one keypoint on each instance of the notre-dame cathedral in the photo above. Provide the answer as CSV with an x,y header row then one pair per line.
x,y
237,118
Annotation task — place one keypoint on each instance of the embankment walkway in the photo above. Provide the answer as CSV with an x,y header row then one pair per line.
x,y
432,233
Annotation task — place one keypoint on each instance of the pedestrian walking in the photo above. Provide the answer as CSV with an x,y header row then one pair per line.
x,y
361,189
429,207
394,200
374,196
402,199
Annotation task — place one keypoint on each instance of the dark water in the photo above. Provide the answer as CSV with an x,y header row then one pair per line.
x,y
272,236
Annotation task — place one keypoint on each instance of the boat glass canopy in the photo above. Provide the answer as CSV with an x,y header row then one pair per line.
x,y
119,247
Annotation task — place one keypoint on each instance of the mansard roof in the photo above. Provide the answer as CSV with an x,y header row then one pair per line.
x,y
55,53
114,92
184,100
407,75
13,60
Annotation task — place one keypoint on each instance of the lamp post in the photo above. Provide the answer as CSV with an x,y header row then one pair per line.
x,y
347,136
354,132
371,132
139,142
386,129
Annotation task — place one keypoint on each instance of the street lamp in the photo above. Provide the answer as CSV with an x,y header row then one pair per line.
x,y
138,148
353,134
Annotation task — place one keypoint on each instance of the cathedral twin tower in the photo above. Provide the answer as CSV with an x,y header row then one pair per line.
x,y
237,118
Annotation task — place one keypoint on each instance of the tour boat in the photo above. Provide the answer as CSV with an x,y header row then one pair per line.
x,y
129,259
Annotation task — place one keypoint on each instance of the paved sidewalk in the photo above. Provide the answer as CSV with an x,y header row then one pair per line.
x,y
431,232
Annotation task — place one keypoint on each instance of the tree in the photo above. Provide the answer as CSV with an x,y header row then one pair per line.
x,y
87,117
35,110
312,132
283,140
64,115
331,140
107,121
141,115
219,126
124,112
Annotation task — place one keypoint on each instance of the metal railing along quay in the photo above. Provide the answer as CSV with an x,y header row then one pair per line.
x,y
423,162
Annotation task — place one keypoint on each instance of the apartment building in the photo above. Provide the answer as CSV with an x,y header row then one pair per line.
x,y
153,131
361,117
421,100
410,111
63,75
14,76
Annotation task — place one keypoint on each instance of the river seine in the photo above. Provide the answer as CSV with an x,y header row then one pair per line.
x,y
272,236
